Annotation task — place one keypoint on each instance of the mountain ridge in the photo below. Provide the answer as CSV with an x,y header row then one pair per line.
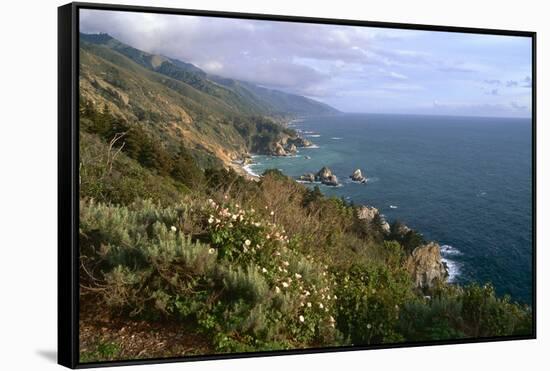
x,y
265,100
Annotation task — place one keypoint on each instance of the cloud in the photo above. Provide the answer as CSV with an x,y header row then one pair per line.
x,y
398,76
355,68
511,109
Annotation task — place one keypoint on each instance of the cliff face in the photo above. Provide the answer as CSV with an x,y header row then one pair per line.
x,y
426,267
368,213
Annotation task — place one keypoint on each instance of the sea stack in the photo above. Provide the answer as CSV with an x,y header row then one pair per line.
x,y
326,177
357,176
308,177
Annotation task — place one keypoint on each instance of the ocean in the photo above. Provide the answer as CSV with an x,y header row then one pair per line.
x,y
464,182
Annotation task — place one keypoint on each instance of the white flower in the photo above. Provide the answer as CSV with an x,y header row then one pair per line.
x,y
321,305
335,297
301,304
277,289
331,319
286,264
234,216
257,224
272,213
308,304
264,270
369,325
301,318
247,242
210,220
285,284
211,251
173,228
307,293
210,200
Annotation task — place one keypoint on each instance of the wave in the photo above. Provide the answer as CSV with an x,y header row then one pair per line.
x,y
249,170
453,268
393,207
336,138
313,135
313,146
449,250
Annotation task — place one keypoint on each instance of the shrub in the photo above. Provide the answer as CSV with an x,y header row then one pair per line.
x,y
369,302
488,315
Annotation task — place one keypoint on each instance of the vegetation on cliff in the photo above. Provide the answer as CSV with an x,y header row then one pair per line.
x,y
182,255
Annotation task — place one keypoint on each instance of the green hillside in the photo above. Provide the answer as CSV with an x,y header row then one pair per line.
x,y
181,255
245,97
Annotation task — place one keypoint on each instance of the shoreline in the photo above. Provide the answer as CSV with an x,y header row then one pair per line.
x,y
447,252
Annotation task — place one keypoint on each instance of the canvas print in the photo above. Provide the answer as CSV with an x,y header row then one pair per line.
x,y
259,185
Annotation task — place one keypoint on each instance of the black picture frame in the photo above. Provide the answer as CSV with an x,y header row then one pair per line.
x,y
68,176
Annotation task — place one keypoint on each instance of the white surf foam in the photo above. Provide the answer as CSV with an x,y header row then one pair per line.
x,y
453,266
453,269
449,250
249,170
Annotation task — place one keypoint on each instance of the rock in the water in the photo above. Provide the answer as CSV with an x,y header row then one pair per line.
x,y
358,177
307,157
326,177
426,266
331,180
324,173
308,177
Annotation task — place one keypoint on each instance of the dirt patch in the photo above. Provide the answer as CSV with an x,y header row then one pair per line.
x,y
105,336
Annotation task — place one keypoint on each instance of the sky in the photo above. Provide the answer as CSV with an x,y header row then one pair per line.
x,y
354,69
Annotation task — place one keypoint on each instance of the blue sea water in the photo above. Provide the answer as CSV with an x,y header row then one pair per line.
x,y
462,181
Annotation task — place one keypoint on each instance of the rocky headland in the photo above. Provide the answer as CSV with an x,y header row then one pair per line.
x,y
288,145
426,266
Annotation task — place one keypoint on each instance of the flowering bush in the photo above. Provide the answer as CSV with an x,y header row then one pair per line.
x,y
299,298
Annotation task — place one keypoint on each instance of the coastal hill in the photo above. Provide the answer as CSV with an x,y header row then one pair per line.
x,y
219,119
180,255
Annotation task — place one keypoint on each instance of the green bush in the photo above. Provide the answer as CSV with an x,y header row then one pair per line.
x,y
489,315
369,302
